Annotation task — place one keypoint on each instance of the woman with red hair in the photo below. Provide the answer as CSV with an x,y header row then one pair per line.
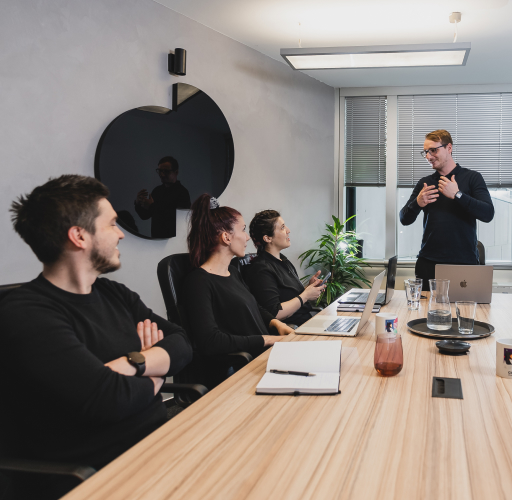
x,y
223,315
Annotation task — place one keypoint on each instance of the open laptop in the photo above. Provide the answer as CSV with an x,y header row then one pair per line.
x,y
467,282
343,326
360,295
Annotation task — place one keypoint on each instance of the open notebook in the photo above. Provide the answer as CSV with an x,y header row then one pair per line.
x,y
319,357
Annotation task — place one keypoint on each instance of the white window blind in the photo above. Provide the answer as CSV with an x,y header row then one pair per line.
x,y
365,141
480,126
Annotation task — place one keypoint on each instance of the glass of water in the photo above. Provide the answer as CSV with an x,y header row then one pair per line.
x,y
466,316
439,315
413,293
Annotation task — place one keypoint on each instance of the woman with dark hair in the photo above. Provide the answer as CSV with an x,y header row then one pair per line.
x,y
224,316
272,278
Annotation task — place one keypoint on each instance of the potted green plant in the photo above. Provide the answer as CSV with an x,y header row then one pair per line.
x,y
336,253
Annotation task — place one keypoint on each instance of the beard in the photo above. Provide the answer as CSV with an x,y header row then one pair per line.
x,y
101,263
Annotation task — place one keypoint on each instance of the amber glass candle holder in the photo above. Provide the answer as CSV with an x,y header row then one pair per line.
x,y
389,356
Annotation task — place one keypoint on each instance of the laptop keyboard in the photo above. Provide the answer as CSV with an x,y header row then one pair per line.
x,y
363,297
342,325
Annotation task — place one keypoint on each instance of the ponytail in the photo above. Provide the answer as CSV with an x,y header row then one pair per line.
x,y
206,225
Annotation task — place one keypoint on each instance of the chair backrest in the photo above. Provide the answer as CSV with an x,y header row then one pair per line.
x,y
481,252
171,271
243,263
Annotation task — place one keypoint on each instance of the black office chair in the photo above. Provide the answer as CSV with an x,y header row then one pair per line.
x,y
481,252
26,479
171,272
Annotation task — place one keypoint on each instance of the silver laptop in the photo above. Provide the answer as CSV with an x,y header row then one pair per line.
x,y
343,326
360,295
467,282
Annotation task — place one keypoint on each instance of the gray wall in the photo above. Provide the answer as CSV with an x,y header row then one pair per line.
x,y
67,68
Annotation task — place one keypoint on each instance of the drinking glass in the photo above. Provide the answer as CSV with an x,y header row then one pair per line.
x,y
389,357
439,315
413,293
466,316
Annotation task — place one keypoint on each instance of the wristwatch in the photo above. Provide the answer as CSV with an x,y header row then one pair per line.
x,y
139,361
458,194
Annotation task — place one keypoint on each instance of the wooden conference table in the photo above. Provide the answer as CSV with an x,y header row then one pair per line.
x,y
381,438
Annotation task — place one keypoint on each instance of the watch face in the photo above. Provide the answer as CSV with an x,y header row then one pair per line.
x,y
136,357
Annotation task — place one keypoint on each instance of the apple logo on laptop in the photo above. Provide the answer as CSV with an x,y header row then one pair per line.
x,y
463,284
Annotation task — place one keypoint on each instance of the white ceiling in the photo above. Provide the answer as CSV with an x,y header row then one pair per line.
x,y
269,25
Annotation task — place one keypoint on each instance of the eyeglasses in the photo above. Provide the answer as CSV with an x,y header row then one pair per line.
x,y
164,171
432,151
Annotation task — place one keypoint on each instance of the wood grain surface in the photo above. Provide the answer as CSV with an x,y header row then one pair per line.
x,y
381,438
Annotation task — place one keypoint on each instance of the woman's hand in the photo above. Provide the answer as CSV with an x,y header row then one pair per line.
x,y
314,279
281,328
312,292
270,340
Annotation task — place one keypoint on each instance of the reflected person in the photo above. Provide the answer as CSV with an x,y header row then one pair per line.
x,y
160,206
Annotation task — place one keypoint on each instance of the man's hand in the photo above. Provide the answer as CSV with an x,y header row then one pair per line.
x,y
282,329
158,381
270,340
448,187
427,195
144,199
122,366
314,279
149,334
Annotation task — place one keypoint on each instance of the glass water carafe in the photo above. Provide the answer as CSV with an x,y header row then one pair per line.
x,y
439,315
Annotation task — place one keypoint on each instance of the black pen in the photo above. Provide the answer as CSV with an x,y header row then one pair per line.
x,y
285,372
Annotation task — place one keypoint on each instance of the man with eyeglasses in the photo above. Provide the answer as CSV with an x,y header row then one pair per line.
x,y
160,206
452,199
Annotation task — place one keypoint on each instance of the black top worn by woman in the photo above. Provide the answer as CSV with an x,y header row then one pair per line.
x,y
224,317
273,281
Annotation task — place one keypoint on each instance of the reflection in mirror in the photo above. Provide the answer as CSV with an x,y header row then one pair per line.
x,y
156,161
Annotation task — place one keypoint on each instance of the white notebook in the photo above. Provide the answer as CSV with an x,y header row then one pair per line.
x,y
319,357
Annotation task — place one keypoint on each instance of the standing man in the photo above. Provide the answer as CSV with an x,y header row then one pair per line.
x,y
452,199
94,354
160,206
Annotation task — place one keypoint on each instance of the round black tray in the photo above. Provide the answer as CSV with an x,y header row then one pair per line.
x,y
419,326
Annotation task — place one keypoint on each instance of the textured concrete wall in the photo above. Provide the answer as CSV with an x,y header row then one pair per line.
x,y
68,68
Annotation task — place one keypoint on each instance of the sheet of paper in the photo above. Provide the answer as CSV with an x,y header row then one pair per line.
x,y
317,356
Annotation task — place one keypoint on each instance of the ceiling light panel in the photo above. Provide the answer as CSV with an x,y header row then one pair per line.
x,y
398,56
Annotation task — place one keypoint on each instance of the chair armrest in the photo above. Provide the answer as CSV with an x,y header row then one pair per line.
x,y
317,308
195,390
245,356
81,472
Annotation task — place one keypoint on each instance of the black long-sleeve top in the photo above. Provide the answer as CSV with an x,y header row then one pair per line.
x,y
59,401
163,209
273,281
449,226
224,316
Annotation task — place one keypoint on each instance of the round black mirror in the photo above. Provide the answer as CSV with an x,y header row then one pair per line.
x,y
155,160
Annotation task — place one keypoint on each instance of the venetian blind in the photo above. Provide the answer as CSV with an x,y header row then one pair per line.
x,y
480,126
365,141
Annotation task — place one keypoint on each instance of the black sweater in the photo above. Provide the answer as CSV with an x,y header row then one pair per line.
x,y
163,209
273,281
59,401
449,226
224,317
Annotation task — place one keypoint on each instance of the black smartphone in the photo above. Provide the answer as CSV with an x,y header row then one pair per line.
x,y
324,281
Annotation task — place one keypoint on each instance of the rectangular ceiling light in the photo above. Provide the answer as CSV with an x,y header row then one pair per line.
x,y
378,56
